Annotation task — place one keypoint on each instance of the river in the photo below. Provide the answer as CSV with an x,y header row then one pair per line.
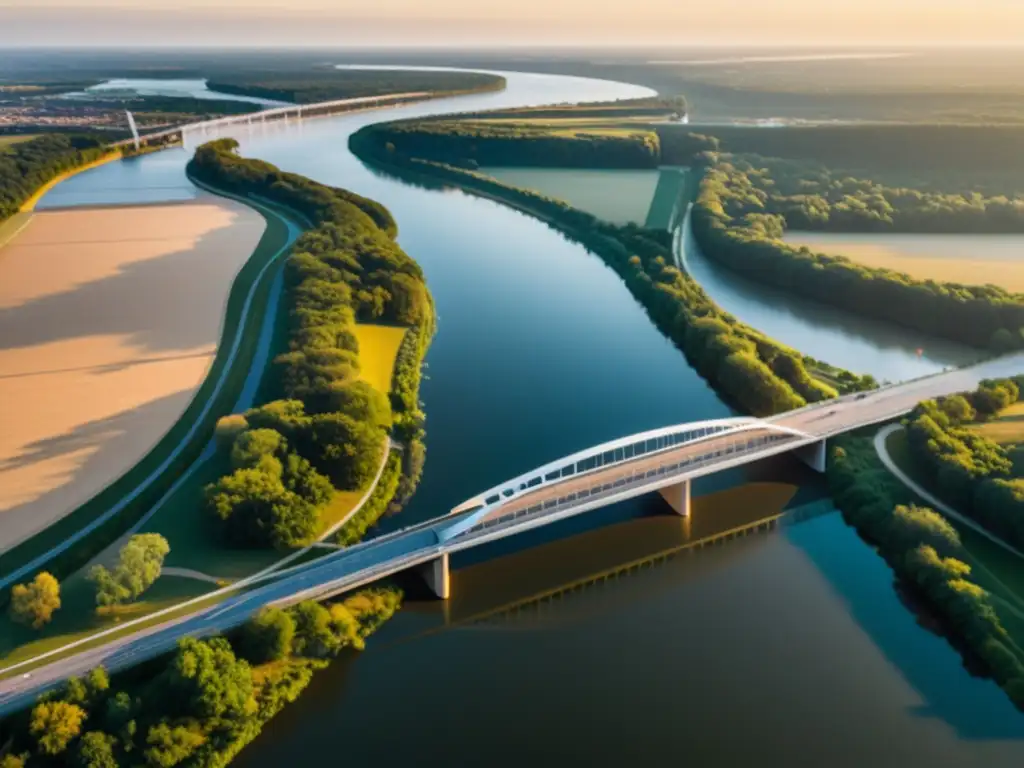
x,y
785,648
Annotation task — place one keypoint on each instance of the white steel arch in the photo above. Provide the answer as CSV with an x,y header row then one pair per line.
x,y
615,452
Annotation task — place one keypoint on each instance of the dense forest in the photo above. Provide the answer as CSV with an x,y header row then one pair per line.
x,y
624,134
311,86
326,431
758,374
196,707
28,165
812,197
976,475
926,553
741,214
904,146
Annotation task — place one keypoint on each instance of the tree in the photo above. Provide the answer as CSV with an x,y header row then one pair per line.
x,y
361,401
205,680
54,724
13,761
314,636
257,510
139,565
35,603
96,750
169,746
87,691
267,636
347,451
911,526
253,447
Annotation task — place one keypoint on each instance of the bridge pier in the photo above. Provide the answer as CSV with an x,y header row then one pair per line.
x,y
813,455
437,576
678,497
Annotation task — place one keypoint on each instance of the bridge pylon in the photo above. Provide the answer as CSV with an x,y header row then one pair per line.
x,y
438,576
678,497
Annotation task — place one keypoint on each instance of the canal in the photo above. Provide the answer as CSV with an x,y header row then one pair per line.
x,y
788,647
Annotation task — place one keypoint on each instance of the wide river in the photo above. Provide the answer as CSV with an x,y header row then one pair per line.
x,y
789,648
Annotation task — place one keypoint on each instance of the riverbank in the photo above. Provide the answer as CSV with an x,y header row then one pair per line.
x,y
29,205
751,370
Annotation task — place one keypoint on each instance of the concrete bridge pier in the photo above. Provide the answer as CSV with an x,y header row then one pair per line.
x,y
813,455
437,576
678,497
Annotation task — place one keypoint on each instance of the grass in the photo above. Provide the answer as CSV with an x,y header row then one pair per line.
x,y
77,617
9,140
378,348
951,258
1007,429
274,238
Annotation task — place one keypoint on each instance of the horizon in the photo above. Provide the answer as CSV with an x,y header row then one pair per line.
x,y
508,24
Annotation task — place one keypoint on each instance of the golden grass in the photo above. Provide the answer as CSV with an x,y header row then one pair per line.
x,y
964,259
7,141
378,348
1008,429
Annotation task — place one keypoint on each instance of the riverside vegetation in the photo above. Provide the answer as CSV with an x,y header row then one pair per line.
x,y
757,373
199,706
925,551
978,476
327,429
746,204
26,166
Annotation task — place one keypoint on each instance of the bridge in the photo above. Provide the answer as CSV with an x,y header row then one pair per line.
x,y
204,130
663,461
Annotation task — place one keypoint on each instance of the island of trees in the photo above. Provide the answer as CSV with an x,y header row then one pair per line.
x,y
326,429
330,84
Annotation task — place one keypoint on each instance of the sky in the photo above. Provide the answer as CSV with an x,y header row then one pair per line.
x,y
472,23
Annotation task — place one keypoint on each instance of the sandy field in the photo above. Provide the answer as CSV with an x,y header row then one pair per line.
x,y
109,320
965,259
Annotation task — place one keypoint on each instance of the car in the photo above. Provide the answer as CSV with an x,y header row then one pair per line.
x,y
861,396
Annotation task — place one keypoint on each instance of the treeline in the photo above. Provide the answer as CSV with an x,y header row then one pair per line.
x,y
28,165
924,550
334,84
810,196
198,706
749,243
759,375
979,477
474,144
327,429
906,146
655,107
523,138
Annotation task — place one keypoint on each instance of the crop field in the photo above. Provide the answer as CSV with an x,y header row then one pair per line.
x,y
965,259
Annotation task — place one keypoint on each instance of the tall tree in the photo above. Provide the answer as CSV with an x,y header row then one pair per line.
x,y
35,603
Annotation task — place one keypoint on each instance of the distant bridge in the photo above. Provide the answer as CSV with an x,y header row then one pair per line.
x,y
206,130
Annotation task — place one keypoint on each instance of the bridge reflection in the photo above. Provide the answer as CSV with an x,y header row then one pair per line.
x,y
522,584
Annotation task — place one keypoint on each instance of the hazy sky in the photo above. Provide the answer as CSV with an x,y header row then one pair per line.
x,y
475,22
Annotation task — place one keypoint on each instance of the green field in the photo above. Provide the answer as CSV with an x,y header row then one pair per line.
x,y
616,196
